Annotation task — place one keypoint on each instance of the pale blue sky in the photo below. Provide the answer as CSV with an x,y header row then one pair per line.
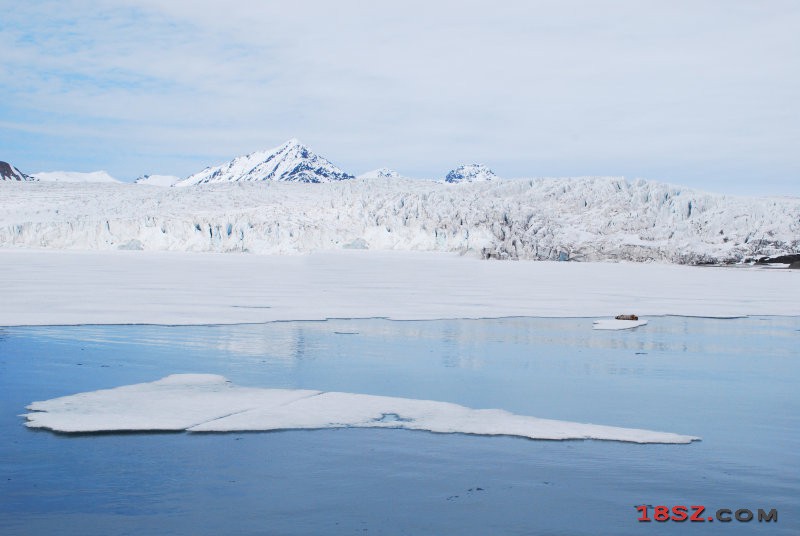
x,y
700,93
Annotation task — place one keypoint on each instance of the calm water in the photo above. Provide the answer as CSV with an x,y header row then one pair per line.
x,y
733,382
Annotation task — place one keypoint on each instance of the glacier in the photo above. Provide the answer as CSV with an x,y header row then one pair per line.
x,y
210,403
576,219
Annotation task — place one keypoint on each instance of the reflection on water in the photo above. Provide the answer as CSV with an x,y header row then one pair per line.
x,y
733,382
460,343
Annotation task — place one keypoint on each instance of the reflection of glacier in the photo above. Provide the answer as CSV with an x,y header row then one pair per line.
x,y
280,342
575,219
460,343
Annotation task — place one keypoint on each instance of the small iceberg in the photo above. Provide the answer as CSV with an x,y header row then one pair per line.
x,y
210,403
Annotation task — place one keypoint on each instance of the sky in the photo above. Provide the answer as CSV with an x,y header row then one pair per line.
x,y
698,93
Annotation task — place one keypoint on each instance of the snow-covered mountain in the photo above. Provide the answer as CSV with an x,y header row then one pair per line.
x,y
10,173
380,173
290,162
74,176
471,173
579,219
158,180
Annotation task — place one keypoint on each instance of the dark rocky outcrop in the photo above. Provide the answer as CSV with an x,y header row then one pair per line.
x,y
793,260
10,173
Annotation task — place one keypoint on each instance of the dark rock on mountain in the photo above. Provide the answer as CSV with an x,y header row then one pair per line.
x,y
10,173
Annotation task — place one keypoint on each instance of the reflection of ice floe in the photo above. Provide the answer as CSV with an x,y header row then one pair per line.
x,y
210,403
616,324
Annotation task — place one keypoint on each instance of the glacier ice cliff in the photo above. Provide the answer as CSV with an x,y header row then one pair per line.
x,y
576,219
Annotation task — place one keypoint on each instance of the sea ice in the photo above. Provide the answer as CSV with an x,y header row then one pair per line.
x,y
175,288
210,403
615,324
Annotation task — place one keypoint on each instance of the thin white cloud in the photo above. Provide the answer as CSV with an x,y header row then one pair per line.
x,y
681,90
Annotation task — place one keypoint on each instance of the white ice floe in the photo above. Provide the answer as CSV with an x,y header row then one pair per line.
x,y
210,403
143,287
614,324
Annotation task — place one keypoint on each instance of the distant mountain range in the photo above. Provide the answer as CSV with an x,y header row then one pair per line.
x,y
289,162
11,173
295,162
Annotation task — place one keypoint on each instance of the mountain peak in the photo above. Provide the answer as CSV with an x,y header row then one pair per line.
x,y
293,142
471,173
380,173
10,173
290,162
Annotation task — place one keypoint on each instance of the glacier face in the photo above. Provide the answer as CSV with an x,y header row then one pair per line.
x,y
290,162
582,219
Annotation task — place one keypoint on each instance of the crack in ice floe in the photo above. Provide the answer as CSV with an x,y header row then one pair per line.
x,y
189,429
194,428
391,417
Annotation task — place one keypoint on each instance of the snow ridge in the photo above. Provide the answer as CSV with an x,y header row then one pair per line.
x,y
74,176
158,180
290,162
471,173
380,173
580,219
